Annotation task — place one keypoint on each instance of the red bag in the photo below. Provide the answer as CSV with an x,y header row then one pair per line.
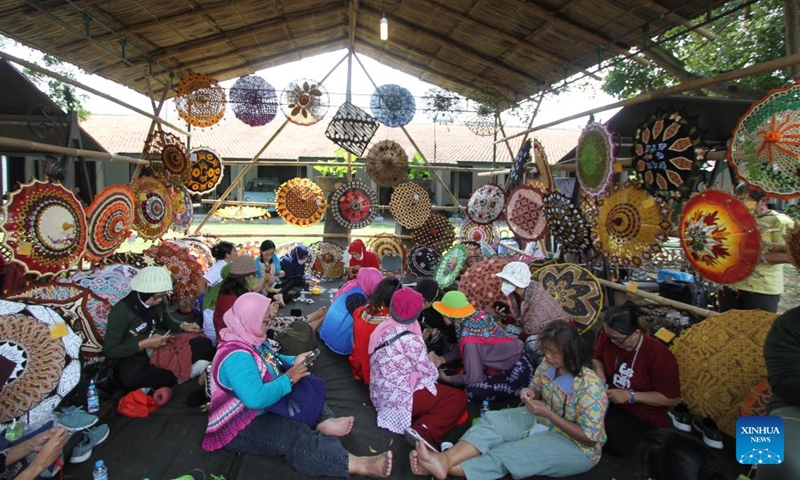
x,y
137,404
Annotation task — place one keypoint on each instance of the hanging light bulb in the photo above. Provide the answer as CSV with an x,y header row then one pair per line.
x,y
384,27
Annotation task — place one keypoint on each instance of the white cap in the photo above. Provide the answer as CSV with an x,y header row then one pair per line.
x,y
152,280
516,273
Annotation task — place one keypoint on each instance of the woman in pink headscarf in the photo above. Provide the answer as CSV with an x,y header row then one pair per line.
x,y
337,328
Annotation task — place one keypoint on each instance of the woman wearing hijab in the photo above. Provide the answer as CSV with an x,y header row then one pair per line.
x,y
266,404
531,306
402,383
337,328
295,278
360,257
439,336
365,320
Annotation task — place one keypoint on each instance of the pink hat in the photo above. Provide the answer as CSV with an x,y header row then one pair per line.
x,y
406,305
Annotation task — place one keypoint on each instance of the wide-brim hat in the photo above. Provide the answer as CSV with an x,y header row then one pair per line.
x,y
242,266
454,305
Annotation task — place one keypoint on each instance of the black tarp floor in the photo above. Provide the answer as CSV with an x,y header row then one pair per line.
x,y
166,445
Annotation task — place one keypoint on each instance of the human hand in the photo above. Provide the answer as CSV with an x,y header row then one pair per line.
x,y
155,341
444,377
281,274
299,370
526,393
51,449
436,359
536,407
617,395
190,327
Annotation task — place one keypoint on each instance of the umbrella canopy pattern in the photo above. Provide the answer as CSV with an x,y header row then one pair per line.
x,y
393,105
254,100
437,232
518,168
152,207
45,228
206,172
383,244
300,202
470,231
720,237
422,261
765,148
387,163
169,159
132,259
410,205
595,158
110,218
182,210
327,260
200,100
480,284
240,213
541,177
186,264
566,222
486,203
525,213
354,204
576,290
111,282
451,266
351,129
305,102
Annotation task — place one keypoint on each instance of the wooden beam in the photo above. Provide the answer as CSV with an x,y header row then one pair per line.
x,y
75,152
792,23
353,22
657,299
667,14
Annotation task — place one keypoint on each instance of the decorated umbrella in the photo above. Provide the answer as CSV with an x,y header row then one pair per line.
x,y
240,213
186,264
576,290
451,265
182,210
595,158
480,284
111,282
133,259
765,148
720,359
305,102
169,159
629,224
300,202
437,232
541,176
486,203
110,218
470,231
422,261
720,237
200,101
327,260
152,207
664,154
393,105
386,244
206,172
488,103
410,205
566,222
254,100
387,163
45,228
354,204
251,249
518,168
525,213
46,358
442,106
351,129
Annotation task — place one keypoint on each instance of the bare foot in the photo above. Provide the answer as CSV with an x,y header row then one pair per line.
x,y
434,463
379,466
279,298
336,427
416,468
317,316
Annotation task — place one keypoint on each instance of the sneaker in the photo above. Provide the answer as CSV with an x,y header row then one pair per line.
x,y
711,434
681,417
75,419
198,367
91,438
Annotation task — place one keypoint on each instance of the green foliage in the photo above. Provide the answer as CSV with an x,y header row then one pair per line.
x,y
418,173
336,167
62,94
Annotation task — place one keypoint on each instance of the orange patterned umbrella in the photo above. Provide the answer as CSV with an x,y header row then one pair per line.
x,y
152,207
110,218
200,101
300,202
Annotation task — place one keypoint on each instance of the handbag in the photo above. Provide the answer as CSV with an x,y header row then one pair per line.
x,y
304,403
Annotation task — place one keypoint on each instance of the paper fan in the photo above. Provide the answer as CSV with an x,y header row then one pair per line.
x,y
110,219
200,100
478,232
186,264
410,205
152,207
351,129
300,202
327,260
525,213
354,204
422,261
518,168
480,284
393,105
595,158
387,163
720,237
486,203
240,213
450,266
575,289
169,159
45,228
254,100
566,222
437,231
305,102
183,210
539,175
206,171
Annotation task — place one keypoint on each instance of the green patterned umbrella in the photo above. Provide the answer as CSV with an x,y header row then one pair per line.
x,y
450,265
595,163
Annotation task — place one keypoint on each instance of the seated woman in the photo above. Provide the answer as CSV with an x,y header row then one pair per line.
x,y
495,364
337,328
223,252
360,257
268,272
295,279
559,431
642,378
531,306
439,336
403,385
140,325
255,395
365,320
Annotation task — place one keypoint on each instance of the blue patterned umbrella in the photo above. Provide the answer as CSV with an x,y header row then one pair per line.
x,y
393,105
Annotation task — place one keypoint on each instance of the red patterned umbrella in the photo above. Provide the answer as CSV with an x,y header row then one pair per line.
x,y
152,207
480,284
486,203
110,219
525,213
354,204
186,263
479,233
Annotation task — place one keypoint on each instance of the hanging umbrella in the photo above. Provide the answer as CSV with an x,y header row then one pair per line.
x,y
351,129
480,284
200,100
132,259
486,203
45,228
393,105
240,213
110,218
518,168
576,290
720,237
525,213
629,224
186,264
451,265
305,102
410,205
206,172
252,249
169,159
595,158
183,210
152,207
254,100
566,222
385,244
327,260
354,204
422,261
470,231
437,232
300,202
387,163
541,177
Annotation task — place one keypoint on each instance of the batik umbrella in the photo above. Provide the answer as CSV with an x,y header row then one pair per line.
x,y
595,158
110,218
133,259
525,213
300,202
422,261
254,100
152,207
385,244
566,222
437,232
576,290
393,105
251,249
410,205
169,159
354,204
240,213
305,102
183,210
111,283
518,168
629,224
206,172
387,163
451,265
200,100
765,148
480,284
720,359
186,264
327,260
720,237
486,203
45,228
664,154
46,357
351,129
540,175
470,231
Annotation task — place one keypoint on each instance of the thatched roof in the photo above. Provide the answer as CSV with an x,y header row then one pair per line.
x,y
518,47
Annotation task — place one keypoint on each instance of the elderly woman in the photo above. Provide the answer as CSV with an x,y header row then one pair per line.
x,y
531,306
360,257
642,378
337,328
266,404
403,385
559,432
365,320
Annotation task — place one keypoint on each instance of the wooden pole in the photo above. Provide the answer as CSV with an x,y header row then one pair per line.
x,y
298,235
272,204
153,124
75,152
356,165
658,299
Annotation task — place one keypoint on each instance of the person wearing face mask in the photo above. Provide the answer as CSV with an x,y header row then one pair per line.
x,y
531,306
140,324
238,277
360,257
295,278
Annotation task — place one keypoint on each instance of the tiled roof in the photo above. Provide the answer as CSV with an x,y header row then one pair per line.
x,y
232,139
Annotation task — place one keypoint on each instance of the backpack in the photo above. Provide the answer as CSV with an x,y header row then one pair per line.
x,y
298,337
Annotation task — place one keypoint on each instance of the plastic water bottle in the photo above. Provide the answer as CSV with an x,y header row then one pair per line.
x,y
92,400
330,297
100,471
484,407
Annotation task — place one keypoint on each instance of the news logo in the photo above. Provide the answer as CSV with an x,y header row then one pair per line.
x,y
759,440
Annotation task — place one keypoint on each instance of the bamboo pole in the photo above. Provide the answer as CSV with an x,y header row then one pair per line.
x,y
658,299
153,124
297,235
356,165
75,152
272,204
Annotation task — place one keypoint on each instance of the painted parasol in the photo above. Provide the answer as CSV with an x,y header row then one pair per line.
x,y
576,290
383,244
486,203
518,168
392,105
182,210
451,266
470,231
240,213
300,202
422,261
387,163
765,148
169,159
133,259
410,205
437,232
305,102
46,357
254,100
354,204
525,213
251,249
110,218
480,284
45,228
629,224
351,129
206,171
200,100
595,158
540,175
720,237
186,264
152,207
111,282
327,260
566,222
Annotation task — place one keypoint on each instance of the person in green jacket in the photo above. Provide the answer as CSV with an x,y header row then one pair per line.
x,y
139,324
